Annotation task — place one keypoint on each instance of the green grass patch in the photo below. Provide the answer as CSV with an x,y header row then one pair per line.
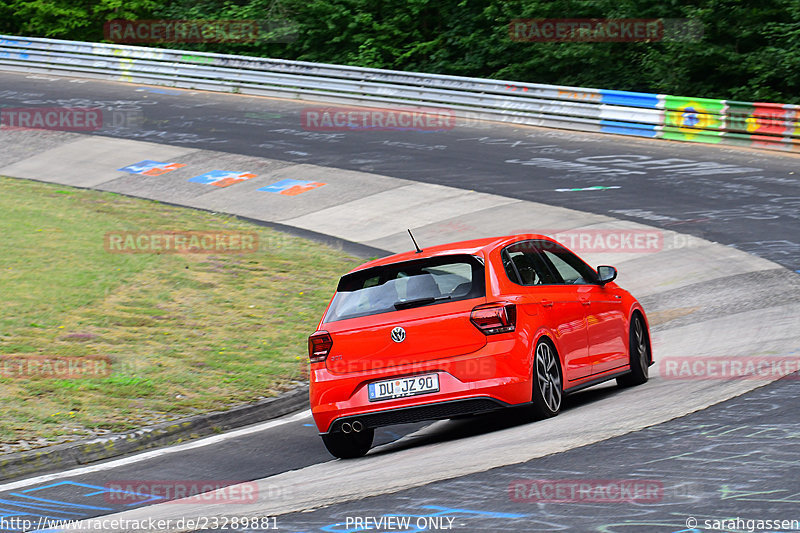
x,y
184,333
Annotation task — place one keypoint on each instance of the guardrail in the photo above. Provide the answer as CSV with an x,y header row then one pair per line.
x,y
755,124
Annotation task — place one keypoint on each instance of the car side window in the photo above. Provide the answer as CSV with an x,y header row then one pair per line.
x,y
569,267
542,262
524,265
565,270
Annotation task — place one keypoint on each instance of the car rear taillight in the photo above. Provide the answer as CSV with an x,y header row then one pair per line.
x,y
319,346
494,318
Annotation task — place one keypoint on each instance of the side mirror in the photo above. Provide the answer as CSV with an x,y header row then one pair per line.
x,y
606,273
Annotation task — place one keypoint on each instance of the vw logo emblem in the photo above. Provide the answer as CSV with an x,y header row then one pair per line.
x,y
398,334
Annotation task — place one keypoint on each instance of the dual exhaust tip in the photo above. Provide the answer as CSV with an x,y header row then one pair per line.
x,y
356,426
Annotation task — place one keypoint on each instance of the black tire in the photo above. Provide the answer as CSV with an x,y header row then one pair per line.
x,y
349,445
548,385
639,350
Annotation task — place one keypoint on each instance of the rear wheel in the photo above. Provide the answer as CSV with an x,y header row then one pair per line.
x,y
349,445
639,348
547,383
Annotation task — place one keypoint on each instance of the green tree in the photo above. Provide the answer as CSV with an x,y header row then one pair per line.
x,y
80,20
750,49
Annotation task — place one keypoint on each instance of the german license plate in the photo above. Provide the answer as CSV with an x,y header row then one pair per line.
x,y
402,387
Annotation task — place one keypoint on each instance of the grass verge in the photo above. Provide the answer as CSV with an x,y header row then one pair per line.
x,y
183,333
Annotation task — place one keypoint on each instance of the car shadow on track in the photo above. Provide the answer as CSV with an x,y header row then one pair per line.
x,y
471,426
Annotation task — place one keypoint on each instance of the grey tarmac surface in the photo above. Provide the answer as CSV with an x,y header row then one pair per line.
x,y
746,198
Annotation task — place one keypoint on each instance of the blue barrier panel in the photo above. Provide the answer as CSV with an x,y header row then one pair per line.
x,y
627,98
628,128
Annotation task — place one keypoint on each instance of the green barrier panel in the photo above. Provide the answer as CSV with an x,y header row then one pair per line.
x,y
685,119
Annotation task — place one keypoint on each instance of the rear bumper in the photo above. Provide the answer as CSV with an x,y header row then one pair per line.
x,y
491,378
434,411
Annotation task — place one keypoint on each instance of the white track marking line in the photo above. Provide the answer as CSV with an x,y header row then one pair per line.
x,y
156,453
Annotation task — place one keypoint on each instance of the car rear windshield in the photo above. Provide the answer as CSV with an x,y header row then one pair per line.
x,y
397,286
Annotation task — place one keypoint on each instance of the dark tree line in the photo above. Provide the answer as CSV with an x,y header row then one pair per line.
x,y
749,50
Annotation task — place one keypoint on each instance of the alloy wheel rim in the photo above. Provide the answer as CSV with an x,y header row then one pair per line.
x,y
548,376
641,345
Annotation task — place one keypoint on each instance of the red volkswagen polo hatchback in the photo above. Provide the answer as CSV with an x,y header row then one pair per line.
x,y
467,328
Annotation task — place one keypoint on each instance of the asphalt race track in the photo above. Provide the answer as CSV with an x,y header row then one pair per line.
x,y
735,459
746,198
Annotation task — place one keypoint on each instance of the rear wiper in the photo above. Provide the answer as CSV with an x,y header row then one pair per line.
x,y
418,302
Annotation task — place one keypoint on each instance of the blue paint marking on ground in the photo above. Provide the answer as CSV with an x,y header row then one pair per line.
x,y
66,504
213,176
62,483
142,166
147,498
32,504
28,505
283,185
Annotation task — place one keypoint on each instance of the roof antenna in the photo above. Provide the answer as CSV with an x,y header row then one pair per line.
x,y
415,242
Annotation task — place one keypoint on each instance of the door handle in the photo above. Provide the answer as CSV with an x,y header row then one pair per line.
x,y
586,302
547,303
